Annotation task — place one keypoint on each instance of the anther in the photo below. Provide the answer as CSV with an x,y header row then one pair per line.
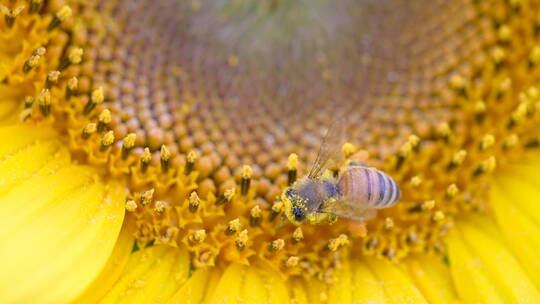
x,y
348,149
106,141
164,158
10,15
388,224
277,208
459,84
35,6
338,242
510,142
198,236
443,131
31,63
194,202
416,181
74,57
71,87
147,196
255,216
276,245
298,235
104,119
52,79
226,197
89,130
480,110
241,240
246,179
504,33
292,165
428,205
128,144
28,102
457,160
487,166
498,55
518,115
503,88
438,216
96,98
61,15
487,141
190,164
146,157
292,261
131,205
44,101
451,191
534,57
160,207
233,226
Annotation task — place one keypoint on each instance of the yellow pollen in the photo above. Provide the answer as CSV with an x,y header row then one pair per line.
x,y
194,202
88,130
535,55
147,196
129,141
335,244
131,205
511,141
277,245
198,236
298,235
107,140
416,181
388,224
292,261
505,33
44,101
487,141
52,78
255,215
348,149
451,191
75,56
72,83
292,161
160,206
246,172
63,13
438,216
498,55
242,239
428,205
233,226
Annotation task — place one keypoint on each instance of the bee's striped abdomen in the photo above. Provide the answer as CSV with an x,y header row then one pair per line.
x,y
368,186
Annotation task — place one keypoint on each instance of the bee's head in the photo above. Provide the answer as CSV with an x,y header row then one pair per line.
x,y
294,203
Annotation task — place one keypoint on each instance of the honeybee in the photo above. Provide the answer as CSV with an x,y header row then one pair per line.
x,y
355,193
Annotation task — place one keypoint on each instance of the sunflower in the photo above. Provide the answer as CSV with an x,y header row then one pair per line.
x,y
145,145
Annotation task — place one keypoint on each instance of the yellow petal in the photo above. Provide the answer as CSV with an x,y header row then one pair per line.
x,y
13,138
469,274
59,225
213,281
298,291
112,270
365,286
228,290
501,265
433,278
398,286
523,189
274,284
253,290
152,275
192,292
317,291
520,231
340,290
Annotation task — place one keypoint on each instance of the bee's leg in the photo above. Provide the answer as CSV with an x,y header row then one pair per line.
x,y
317,218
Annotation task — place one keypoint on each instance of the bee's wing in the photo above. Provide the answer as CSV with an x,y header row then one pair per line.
x,y
347,209
329,152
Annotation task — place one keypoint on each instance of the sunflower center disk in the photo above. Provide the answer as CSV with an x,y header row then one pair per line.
x,y
207,111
